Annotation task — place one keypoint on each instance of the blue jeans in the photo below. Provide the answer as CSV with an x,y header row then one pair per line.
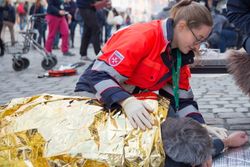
x,y
23,21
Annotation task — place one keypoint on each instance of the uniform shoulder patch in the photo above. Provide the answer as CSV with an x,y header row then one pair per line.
x,y
115,59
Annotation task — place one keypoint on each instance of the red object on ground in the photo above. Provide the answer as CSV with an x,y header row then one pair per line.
x,y
59,73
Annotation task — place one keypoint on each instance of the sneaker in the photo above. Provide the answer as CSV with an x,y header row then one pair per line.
x,y
85,58
68,54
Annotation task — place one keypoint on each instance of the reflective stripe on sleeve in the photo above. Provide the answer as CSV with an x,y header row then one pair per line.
x,y
104,85
102,66
183,94
187,110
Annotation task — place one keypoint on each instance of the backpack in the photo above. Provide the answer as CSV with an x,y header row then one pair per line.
x,y
20,9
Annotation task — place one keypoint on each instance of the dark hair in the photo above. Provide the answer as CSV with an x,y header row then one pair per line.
x,y
194,13
186,141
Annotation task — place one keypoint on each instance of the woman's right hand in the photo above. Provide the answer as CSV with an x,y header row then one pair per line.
x,y
137,112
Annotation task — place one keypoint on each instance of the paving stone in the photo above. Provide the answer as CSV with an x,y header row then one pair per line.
x,y
208,115
232,105
242,109
227,98
239,102
223,110
207,106
219,102
234,121
214,121
239,127
231,115
246,105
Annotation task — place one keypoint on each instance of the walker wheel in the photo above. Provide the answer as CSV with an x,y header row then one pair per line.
x,y
26,62
54,59
18,65
48,63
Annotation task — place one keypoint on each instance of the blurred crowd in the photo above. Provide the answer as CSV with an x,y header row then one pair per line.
x,y
108,20
13,14
224,34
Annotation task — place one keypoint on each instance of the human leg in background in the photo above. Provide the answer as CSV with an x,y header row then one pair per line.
x,y
108,28
72,27
10,26
91,31
53,24
64,31
1,41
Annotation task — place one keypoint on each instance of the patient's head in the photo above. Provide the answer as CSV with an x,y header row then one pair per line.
x,y
186,141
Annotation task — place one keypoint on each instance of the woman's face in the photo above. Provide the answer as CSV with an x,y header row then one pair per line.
x,y
188,39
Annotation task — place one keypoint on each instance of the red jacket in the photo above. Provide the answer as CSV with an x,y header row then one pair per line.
x,y
141,62
138,57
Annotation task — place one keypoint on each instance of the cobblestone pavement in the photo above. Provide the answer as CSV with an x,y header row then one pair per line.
x,y
220,101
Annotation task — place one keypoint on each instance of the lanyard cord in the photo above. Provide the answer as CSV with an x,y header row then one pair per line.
x,y
176,79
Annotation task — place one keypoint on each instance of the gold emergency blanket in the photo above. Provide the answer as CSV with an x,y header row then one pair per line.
x,y
53,130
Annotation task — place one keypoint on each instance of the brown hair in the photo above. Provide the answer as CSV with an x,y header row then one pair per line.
x,y
195,14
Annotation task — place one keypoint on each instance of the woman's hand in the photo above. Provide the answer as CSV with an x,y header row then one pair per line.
x,y
137,112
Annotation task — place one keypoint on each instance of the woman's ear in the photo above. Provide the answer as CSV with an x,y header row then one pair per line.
x,y
181,25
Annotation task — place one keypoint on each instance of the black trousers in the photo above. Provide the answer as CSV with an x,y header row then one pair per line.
x,y
91,31
1,41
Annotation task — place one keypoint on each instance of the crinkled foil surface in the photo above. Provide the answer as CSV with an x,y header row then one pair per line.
x,y
52,130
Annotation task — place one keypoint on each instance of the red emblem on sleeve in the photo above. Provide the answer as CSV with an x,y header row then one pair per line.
x,y
115,59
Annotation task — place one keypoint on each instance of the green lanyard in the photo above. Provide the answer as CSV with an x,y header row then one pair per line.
x,y
176,79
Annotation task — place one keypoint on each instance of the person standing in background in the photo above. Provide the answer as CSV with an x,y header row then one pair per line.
x,y
1,26
9,19
57,22
92,30
70,6
40,24
22,12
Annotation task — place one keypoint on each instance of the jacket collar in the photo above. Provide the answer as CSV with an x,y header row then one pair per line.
x,y
168,29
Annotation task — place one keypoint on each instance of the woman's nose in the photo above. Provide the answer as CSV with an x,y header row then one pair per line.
x,y
197,47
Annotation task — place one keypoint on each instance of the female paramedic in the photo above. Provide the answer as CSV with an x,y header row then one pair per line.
x,y
151,56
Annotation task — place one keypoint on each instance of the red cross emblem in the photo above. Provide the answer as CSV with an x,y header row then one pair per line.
x,y
115,59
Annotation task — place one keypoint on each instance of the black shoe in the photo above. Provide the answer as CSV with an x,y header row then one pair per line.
x,y
68,54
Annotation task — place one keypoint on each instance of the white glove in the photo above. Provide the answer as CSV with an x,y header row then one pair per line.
x,y
221,133
137,112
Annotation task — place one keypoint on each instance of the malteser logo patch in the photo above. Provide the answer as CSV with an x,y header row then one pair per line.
x,y
115,59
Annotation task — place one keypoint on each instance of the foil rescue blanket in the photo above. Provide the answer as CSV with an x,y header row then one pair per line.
x,y
52,130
